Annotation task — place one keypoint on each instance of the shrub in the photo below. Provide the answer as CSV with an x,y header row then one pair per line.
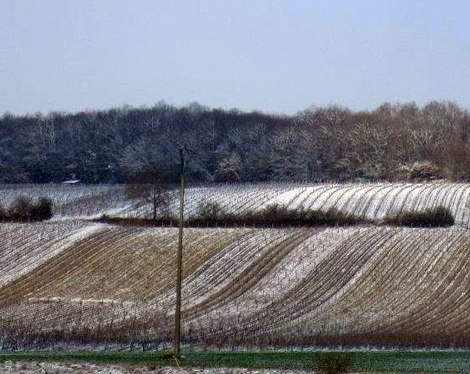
x,y
20,209
24,210
419,171
273,215
332,217
41,210
209,211
437,217
3,213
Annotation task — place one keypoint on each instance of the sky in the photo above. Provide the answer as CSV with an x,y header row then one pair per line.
x,y
268,55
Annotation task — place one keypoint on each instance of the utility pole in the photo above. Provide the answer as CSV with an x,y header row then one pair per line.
x,y
179,265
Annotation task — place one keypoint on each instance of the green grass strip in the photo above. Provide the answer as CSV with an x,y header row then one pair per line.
x,y
365,361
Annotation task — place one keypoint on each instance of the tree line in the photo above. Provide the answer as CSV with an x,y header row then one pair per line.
x,y
392,142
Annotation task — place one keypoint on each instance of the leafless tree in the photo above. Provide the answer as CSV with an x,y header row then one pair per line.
x,y
150,189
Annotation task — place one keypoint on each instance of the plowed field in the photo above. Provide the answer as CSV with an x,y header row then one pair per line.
x,y
81,283
371,201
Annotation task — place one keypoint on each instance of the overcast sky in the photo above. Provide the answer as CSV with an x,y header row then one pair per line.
x,y
273,56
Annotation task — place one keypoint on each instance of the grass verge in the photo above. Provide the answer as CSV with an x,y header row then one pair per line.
x,y
361,361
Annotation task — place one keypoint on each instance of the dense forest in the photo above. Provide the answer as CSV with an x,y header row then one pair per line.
x,y
392,142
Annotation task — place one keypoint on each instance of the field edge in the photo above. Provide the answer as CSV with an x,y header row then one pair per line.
x,y
391,361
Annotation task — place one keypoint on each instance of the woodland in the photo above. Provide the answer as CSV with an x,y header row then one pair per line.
x,y
393,142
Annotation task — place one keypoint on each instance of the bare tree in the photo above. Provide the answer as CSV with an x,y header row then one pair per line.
x,y
150,189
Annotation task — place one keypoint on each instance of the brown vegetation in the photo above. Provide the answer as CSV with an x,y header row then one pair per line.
x,y
437,217
23,209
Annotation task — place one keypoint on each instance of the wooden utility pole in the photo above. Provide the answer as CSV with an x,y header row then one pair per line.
x,y
179,265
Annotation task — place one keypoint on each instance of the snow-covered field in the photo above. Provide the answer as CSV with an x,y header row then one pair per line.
x,y
69,200
70,279
273,284
372,201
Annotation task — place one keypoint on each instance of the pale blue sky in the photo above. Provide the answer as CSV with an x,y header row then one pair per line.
x,y
274,56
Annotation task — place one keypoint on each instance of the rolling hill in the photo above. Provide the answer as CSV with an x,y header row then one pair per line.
x,y
78,282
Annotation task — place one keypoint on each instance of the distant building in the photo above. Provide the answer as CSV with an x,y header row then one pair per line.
x,y
74,181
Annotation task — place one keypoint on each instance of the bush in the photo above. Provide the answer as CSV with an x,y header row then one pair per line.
x,y
3,213
437,217
24,210
20,209
273,215
334,363
419,171
42,210
332,217
209,211
276,214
